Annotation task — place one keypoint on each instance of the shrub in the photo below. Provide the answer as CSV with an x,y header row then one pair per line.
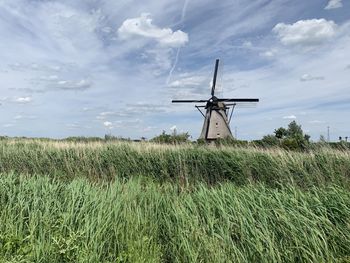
x,y
292,138
172,138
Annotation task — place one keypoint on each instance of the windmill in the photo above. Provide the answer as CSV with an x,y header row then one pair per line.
x,y
217,116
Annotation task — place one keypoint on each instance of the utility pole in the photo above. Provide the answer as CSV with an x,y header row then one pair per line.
x,y
328,137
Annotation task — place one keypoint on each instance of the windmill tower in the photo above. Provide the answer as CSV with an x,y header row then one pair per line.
x,y
217,116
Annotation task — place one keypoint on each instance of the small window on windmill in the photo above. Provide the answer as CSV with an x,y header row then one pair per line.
x,y
218,135
217,124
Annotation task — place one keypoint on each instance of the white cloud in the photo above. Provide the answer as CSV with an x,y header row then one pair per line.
x,y
82,84
146,108
49,78
188,81
308,77
108,124
23,100
190,85
142,26
72,85
22,117
173,128
247,44
107,114
268,54
306,33
332,4
290,117
106,29
55,68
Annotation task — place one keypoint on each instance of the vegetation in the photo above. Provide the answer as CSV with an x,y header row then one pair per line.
x,y
121,201
186,163
173,138
292,138
45,220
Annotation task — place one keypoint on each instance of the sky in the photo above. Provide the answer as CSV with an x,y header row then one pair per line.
x,y
96,67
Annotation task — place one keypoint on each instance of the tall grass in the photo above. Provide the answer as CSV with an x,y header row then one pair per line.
x,y
145,202
47,220
183,164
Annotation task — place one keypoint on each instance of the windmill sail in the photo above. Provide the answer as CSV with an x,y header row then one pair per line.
x,y
216,122
215,76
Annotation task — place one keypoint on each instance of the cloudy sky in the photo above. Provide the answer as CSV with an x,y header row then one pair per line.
x,y
91,67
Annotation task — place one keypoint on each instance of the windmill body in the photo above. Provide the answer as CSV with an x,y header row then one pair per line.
x,y
216,116
216,123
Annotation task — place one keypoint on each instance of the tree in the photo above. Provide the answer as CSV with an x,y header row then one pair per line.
x,y
292,138
174,138
294,130
296,139
280,133
307,137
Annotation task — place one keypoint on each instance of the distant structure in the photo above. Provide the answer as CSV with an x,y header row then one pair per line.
x,y
328,137
217,116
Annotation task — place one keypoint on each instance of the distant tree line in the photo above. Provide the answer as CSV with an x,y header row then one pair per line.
x,y
290,138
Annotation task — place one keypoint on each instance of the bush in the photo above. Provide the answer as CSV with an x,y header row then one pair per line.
x,y
269,140
292,138
172,138
109,137
83,139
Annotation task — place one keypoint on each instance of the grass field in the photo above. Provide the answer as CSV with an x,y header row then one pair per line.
x,y
143,202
